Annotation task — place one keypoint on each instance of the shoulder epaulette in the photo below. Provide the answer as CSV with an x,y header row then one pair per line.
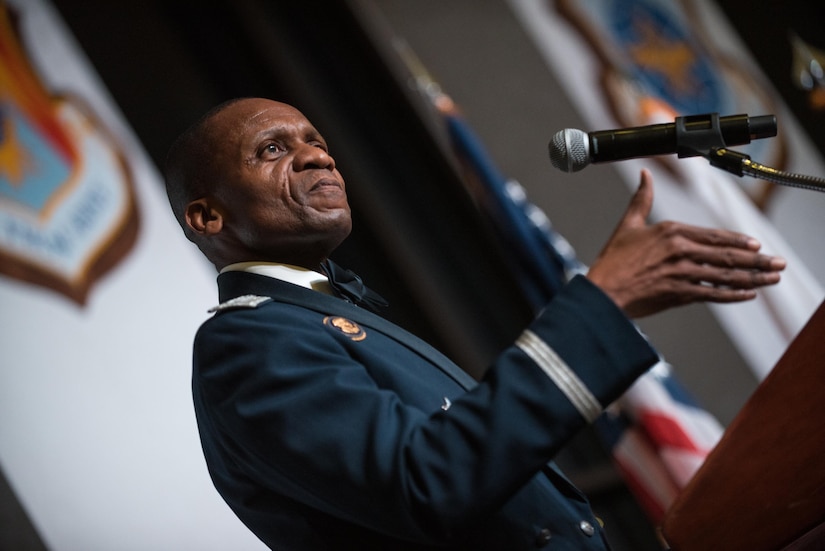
x,y
245,301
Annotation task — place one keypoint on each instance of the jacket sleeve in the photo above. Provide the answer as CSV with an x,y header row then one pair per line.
x,y
305,419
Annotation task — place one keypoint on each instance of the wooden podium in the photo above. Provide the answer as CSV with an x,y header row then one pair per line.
x,y
763,487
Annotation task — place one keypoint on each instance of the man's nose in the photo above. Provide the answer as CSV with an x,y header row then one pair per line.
x,y
312,156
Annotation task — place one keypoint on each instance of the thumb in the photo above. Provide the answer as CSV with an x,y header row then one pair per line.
x,y
641,203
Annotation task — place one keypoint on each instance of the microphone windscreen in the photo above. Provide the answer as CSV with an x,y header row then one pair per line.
x,y
570,150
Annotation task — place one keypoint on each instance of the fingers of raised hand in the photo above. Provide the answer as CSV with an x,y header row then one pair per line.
x,y
735,259
729,277
713,266
713,237
705,292
717,248
651,268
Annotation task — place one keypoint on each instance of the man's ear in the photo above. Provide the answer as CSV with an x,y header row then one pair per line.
x,y
203,217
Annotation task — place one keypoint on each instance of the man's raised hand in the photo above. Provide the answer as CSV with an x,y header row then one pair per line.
x,y
648,268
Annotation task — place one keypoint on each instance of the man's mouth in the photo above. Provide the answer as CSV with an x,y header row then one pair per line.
x,y
326,183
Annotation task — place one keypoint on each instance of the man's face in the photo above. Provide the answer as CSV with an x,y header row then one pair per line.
x,y
282,196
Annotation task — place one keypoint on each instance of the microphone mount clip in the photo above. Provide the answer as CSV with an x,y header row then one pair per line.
x,y
698,135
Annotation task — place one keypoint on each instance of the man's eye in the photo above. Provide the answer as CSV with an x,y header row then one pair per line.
x,y
271,149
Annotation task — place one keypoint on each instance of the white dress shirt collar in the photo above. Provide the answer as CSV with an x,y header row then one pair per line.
x,y
285,272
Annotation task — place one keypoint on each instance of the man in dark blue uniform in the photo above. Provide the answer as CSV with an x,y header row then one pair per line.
x,y
326,427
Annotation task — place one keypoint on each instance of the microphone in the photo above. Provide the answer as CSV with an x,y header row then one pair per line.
x,y
571,150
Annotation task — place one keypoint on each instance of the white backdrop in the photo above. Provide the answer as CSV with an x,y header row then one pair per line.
x,y
97,432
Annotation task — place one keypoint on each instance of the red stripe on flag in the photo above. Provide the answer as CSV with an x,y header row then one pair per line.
x,y
666,431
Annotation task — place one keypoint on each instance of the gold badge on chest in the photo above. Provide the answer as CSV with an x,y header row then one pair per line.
x,y
347,327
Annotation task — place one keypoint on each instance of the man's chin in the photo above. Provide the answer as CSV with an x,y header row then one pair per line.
x,y
335,214
337,223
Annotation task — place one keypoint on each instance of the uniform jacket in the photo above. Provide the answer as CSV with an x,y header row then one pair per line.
x,y
325,426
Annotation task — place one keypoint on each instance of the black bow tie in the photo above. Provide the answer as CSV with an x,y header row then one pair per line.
x,y
348,285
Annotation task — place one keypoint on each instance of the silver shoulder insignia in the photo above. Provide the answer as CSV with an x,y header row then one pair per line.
x,y
245,301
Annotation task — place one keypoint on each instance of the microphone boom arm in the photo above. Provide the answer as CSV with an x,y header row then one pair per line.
x,y
740,164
